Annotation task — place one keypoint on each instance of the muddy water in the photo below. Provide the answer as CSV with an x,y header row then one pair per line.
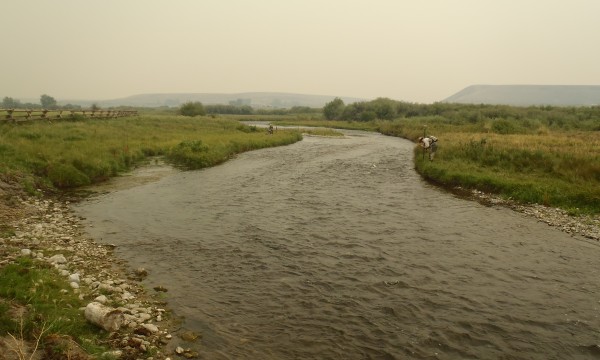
x,y
335,249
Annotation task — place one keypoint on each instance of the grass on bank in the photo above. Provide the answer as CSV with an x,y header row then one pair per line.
x,y
69,154
529,164
333,124
36,303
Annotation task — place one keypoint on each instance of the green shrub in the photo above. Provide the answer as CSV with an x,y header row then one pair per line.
x,y
504,127
194,108
67,176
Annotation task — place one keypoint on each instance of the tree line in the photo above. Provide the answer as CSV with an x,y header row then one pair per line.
x,y
46,102
387,109
196,108
503,116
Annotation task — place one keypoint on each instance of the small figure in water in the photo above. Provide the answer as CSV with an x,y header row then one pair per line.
x,y
429,143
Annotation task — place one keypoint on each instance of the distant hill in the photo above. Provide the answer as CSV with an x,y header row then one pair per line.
x,y
525,95
254,99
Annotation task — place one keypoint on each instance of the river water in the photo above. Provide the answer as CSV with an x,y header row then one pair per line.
x,y
334,248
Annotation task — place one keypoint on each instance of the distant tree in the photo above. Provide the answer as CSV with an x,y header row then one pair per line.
x,y
303,110
384,108
240,102
10,103
95,107
47,101
228,109
334,109
192,109
352,111
367,116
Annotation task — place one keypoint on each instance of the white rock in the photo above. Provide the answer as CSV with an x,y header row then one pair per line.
x,y
25,252
113,354
144,317
127,296
74,285
102,299
58,259
74,278
106,317
150,327
106,288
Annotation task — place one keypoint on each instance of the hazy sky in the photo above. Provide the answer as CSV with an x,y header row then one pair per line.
x,y
411,50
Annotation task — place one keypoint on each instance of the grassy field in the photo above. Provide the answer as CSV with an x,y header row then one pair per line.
x,y
69,154
550,166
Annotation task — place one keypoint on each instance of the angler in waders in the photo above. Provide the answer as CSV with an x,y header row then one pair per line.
x,y
429,143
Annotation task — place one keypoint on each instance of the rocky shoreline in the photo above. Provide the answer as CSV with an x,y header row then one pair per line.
x,y
47,230
586,226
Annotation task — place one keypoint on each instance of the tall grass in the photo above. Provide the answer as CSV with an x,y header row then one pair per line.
x,y
49,305
74,153
526,162
336,124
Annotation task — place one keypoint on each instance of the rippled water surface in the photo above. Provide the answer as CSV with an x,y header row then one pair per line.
x,y
333,248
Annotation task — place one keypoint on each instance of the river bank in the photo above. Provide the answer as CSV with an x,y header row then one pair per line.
x,y
45,227
45,230
585,225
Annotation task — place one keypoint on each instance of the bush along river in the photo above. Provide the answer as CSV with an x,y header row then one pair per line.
x,y
334,248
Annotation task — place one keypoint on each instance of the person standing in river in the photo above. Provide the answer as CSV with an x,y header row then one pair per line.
x,y
429,143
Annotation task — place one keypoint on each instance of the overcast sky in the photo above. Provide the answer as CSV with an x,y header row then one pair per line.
x,y
412,50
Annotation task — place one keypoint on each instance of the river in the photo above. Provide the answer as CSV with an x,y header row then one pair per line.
x,y
334,248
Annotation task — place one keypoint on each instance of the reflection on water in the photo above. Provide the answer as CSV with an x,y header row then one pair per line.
x,y
335,249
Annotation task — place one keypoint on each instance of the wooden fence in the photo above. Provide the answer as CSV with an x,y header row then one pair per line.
x,y
15,115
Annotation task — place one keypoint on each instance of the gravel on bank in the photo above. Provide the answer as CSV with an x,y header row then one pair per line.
x,y
585,225
48,231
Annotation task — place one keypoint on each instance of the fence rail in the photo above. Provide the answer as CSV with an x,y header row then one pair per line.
x,y
44,114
